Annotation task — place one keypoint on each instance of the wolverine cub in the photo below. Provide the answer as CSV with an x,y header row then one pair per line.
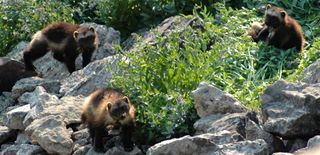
x,y
105,107
66,41
279,30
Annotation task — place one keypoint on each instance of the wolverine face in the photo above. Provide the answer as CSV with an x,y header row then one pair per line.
x,y
85,37
274,16
119,109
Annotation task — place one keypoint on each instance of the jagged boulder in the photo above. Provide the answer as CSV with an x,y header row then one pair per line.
x,y
14,118
209,144
93,76
211,100
51,134
241,123
30,84
291,110
312,73
10,72
6,101
23,149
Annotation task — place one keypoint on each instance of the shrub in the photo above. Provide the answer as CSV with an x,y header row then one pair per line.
x,y
19,20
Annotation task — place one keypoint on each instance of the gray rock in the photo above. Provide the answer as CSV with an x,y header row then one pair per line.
x,y
314,142
211,100
312,73
16,52
14,118
51,134
82,150
81,134
256,147
282,153
296,144
6,134
23,149
237,123
39,99
209,144
29,85
6,101
291,110
93,76
70,109
254,131
10,72
22,138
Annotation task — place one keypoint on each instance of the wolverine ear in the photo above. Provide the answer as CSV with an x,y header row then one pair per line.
x,y
283,14
91,29
268,6
109,106
126,99
75,34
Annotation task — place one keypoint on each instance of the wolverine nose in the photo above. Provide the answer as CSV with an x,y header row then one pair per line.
x,y
123,116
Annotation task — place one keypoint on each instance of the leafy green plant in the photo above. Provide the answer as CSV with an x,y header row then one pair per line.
x,y
20,20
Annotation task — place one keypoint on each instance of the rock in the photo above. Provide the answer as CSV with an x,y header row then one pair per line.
x,y
81,134
29,85
6,134
6,101
82,150
211,100
296,144
14,118
257,147
208,144
22,138
23,149
118,151
51,134
238,123
10,72
312,73
235,122
254,131
314,142
93,76
17,52
291,110
282,153
70,109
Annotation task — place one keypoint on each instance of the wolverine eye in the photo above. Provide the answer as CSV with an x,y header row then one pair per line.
x,y
109,106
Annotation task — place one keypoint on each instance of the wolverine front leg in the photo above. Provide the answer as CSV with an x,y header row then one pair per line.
x,y
86,58
97,139
126,137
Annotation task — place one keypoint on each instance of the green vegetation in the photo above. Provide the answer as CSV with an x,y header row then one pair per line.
x,y
159,77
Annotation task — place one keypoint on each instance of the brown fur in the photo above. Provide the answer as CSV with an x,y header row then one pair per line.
x,y
66,41
105,107
280,30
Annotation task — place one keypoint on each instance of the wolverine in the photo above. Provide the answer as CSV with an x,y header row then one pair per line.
x,y
66,41
279,30
105,107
